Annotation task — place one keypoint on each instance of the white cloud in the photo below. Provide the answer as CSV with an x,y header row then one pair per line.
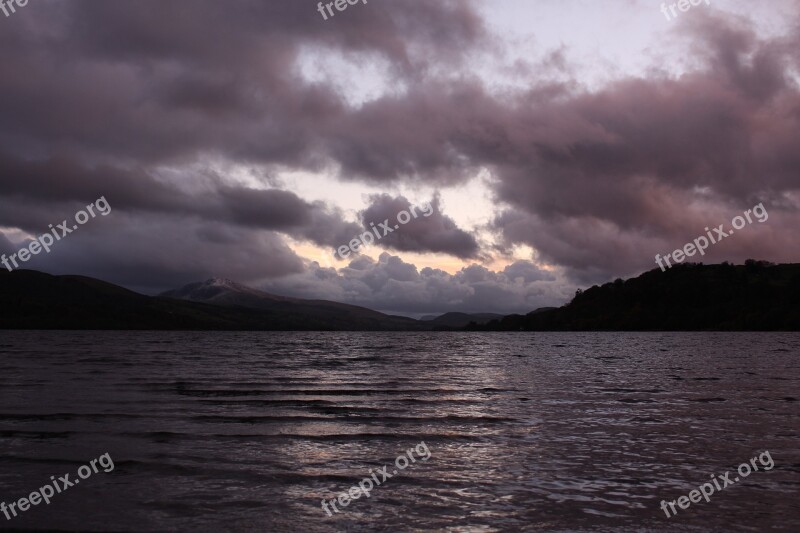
x,y
391,285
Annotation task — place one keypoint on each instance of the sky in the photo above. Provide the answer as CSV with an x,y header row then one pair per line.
x,y
560,143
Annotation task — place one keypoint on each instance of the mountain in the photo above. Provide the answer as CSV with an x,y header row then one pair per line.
x,y
221,291
34,300
460,320
756,296
227,293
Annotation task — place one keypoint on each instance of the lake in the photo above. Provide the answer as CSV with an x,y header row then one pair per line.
x,y
526,431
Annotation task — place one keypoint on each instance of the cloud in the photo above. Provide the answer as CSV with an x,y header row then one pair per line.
x,y
33,189
643,165
429,231
158,253
134,102
6,247
395,286
164,84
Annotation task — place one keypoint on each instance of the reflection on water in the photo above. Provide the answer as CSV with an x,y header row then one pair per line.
x,y
251,431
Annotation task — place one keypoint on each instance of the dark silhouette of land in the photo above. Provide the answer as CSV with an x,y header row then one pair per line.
x,y
756,296
459,320
34,300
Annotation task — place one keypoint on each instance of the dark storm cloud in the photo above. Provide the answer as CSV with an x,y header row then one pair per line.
x,y
643,165
159,252
64,179
430,231
35,187
131,79
425,135
192,31
601,181
265,208
97,97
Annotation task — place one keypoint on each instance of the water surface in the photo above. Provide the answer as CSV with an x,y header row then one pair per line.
x,y
527,431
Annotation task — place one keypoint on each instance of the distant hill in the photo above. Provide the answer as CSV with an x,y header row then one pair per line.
x,y
756,296
460,320
221,291
34,300
227,293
